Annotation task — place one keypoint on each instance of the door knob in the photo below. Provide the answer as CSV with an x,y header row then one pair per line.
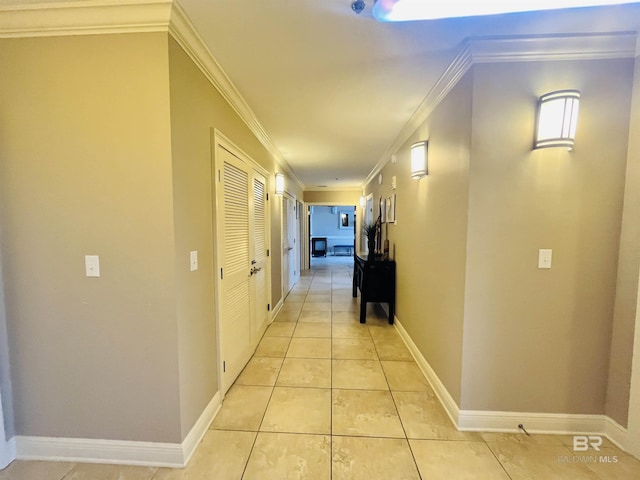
x,y
254,270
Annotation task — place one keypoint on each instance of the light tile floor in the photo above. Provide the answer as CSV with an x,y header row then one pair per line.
x,y
325,397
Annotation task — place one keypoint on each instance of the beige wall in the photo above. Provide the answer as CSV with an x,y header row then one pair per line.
x,y
106,150
628,268
86,169
428,241
192,105
501,334
196,108
333,197
538,340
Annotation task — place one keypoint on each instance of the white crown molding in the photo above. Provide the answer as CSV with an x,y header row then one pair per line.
x,y
596,46
449,79
95,17
183,31
90,17
478,50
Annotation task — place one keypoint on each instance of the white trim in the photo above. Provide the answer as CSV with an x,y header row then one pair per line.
x,y
119,452
184,32
477,50
490,421
95,17
200,428
100,451
440,390
7,447
618,435
554,423
276,309
91,17
449,79
597,46
7,452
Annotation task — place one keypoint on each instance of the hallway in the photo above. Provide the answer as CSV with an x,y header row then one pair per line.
x,y
325,397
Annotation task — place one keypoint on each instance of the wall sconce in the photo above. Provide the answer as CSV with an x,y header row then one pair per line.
x,y
279,184
557,119
419,159
363,201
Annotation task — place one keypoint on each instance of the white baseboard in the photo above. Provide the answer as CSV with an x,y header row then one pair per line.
x,y
198,431
550,423
7,452
442,393
496,421
99,451
619,435
119,452
276,309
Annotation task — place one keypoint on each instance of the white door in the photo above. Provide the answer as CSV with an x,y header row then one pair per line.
x,y
286,247
290,270
259,253
242,260
294,272
633,425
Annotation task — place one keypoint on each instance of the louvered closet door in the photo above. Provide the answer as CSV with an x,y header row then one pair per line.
x,y
236,310
259,252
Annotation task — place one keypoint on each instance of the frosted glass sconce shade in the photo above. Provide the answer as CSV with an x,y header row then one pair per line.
x,y
279,184
419,166
557,119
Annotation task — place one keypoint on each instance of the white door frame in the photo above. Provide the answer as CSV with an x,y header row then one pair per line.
x,y
359,219
7,455
633,424
219,139
7,448
294,254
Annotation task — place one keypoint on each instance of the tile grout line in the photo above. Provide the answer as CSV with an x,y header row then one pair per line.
x,y
244,470
331,384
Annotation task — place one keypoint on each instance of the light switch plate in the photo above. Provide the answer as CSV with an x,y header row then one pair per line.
x,y
193,259
92,265
393,182
544,258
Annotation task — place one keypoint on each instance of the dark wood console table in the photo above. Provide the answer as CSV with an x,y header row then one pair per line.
x,y
376,280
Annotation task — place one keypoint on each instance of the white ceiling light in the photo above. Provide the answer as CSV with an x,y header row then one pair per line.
x,y
405,10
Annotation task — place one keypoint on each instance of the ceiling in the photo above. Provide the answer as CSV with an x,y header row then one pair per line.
x,y
332,89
